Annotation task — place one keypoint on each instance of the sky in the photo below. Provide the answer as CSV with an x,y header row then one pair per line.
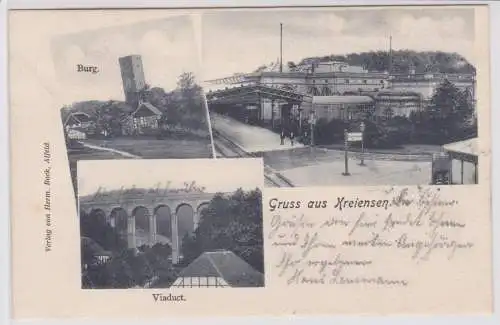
x,y
239,41
167,45
216,175
232,41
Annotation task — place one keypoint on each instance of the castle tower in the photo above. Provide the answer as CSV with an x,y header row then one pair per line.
x,y
133,78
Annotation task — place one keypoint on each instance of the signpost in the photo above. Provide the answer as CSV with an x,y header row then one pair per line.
x,y
272,113
353,137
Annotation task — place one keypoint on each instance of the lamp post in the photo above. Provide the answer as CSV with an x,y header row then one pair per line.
x,y
300,120
362,127
312,121
272,113
346,159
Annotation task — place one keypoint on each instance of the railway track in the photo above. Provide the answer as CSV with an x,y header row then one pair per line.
x,y
228,149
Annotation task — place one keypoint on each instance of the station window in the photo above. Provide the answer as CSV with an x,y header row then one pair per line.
x,y
347,81
389,113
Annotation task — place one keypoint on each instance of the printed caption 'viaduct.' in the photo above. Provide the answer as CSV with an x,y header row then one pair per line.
x,y
123,214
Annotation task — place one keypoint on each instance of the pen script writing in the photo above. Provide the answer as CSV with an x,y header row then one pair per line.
x,y
352,239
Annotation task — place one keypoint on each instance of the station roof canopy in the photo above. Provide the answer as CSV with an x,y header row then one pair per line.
x,y
467,147
251,93
333,100
466,150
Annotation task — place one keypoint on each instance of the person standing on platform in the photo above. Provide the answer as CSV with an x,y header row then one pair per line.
x,y
291,137
282,137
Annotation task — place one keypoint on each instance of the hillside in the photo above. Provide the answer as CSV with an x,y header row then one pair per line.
x,y
430,61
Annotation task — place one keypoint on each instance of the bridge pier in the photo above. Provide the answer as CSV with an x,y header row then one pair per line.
x,y
122,217
175,239
152,229
196,219
131,242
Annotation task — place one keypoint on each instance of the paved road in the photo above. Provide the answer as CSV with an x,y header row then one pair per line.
x,y
256,139
251,138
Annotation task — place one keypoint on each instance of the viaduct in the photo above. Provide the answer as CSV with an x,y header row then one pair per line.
x,y
123,215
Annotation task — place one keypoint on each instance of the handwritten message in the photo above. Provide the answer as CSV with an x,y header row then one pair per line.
x,y
344,240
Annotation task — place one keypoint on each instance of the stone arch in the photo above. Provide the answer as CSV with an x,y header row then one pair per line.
x,y
185,215
140,226
201,207
164,217
141,216
99,214
119,219
84,212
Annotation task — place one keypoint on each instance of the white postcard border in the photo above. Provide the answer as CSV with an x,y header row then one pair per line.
x,y
4,164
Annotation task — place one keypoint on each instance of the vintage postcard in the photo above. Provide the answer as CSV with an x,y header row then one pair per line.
x,y
230,162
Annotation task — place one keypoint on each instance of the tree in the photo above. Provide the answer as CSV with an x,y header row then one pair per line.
x,y
446,100
329,131
449,111
187,104
109,118
186,81
95,227
426,61
148,266
232,223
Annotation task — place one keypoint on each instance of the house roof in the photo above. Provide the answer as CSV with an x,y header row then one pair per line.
x,y
469,147
330,100
149,106
226,265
